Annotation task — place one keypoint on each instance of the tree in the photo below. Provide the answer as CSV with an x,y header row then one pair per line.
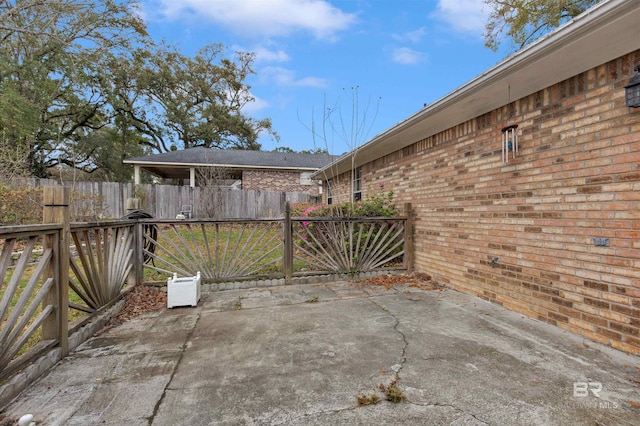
x,y
80,79
523,21
197,101
284,149
109,147
315,150
51,59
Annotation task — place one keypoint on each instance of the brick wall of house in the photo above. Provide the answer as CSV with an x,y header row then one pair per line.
x,y
576,178
340,190
266,180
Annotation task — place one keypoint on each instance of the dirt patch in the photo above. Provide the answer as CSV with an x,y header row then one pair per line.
x,y
138,301
420,281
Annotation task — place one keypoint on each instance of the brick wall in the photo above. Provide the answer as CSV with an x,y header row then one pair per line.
x,y
340,190
266,180
576,177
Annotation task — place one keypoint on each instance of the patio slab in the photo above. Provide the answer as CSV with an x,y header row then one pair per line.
x,y
301,354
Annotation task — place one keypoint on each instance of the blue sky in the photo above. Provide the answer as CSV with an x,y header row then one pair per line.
x,y
310,54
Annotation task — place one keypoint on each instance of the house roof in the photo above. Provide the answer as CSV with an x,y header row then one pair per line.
x,y
176,164
603,33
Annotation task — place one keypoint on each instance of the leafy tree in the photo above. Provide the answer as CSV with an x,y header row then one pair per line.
x,y
197,101
284,149
109,147
51,56
81,79
316,150
303,151
523,21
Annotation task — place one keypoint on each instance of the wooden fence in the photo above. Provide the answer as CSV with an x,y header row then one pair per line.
x,y
108,200
83,267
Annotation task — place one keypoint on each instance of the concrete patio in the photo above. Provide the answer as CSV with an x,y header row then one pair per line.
x,y
301,354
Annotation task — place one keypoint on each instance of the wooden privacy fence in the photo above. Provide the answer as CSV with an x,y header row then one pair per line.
x,y
66,273
108,200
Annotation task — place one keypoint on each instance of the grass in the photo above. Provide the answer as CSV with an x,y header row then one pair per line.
x,y
368,399
73,314
254,243
393,392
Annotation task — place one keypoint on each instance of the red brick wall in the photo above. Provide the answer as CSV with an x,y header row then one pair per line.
x,y
279,181
577,177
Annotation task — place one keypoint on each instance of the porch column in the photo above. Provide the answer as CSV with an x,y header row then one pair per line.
x,y
192,177
136,174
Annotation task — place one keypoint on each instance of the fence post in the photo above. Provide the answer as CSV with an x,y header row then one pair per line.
x,y
287,244
56,210
135,276
408,238
139,260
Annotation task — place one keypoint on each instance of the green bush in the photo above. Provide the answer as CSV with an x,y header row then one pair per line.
x,y
375,205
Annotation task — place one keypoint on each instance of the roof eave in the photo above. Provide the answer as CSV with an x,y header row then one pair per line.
x,y
225,166
603,33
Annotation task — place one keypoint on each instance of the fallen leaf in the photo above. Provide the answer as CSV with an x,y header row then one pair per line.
x,y
141,299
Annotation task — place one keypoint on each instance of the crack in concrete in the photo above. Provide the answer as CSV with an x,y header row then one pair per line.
x,y
156,408
403,357
403,360
315,414
438,404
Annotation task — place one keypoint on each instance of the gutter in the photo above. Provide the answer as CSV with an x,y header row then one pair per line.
x,y
500,72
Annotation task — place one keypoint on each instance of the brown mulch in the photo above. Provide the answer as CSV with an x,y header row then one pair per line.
x,y
420,281
138,301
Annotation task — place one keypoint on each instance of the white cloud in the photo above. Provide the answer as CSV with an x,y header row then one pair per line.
x,y
467,16
266,17
256,106
265,55
411,36
407,56
285,77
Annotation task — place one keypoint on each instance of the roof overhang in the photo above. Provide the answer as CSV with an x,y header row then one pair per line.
x,y
173,170
603,33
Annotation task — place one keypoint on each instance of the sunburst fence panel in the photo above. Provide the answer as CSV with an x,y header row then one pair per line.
x,y
219,250
347,244
26,278
101,259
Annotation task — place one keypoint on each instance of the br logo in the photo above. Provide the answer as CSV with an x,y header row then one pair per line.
x,y
582,389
